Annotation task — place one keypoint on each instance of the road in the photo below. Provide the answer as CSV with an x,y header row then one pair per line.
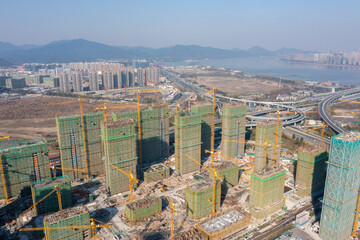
x,y
307,136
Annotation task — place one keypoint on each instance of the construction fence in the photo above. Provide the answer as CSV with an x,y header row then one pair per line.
x,y
199,198
119,139
233,128
22,163
71,145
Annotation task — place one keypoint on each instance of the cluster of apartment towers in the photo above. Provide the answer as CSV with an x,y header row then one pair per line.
x,y
115,142
108,79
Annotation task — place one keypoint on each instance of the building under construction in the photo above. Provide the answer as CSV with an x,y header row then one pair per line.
x,y
206,114
229,172
22,163
268,178
143,208
199,198
50,203
73,223
154,133
233,129
189,142
155,173
310,170
341,187
119,139
77,137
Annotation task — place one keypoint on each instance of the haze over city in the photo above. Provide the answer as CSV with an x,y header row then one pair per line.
x,y
308,25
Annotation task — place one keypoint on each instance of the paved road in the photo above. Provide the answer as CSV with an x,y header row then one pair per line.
x,y
307,136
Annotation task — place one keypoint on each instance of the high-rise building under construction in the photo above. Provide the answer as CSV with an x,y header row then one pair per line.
x,y
268,178
341,187
205,111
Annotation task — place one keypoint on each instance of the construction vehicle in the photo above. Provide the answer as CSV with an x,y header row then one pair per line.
x,y
53,169
104,108
215,176
92,226
213,126
131,177
172,213
80,101
322,130
139,116
58,193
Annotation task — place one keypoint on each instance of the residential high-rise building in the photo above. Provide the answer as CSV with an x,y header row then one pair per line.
x,y
64,82
125,78
341,187
108,80
152,75
141,77
77,80
268,178
93,81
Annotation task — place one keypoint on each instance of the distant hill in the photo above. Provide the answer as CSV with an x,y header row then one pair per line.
x,y
83,50
5,63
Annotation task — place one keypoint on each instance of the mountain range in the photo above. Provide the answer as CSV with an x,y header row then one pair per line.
x,y
83,50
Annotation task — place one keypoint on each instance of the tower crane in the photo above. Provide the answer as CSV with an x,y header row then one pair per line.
x,y
131,177
324,125
92,226
58,193
172,213
215,176
177,137
213,125
139,116
80,101
53,169
357,212
5,137
104,108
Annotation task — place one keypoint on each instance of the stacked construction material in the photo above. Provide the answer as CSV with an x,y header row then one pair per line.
x,y
310,171
155,173
71,144
51,203
206,113
154,133
233,128
341,187
143,208
189,143
229,172
23,162
119,139
73,223
199,198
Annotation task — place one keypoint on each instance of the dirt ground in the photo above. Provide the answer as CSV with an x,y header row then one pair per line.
x,y
34,118
234,85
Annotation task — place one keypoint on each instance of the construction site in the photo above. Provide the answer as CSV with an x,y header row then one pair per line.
x,y
158,172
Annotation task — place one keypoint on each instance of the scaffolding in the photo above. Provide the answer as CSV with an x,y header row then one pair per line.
x,y
143,208
50,203
76,216
155,173
224,224
267,192
341,187
199,198
71,144
266,130
119,140
229,172
310,170
205,111
154,133
23,162
233,128
189,142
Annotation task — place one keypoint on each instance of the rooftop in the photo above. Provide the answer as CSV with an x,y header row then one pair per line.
x,y
266,123
349,136
201,186
155,168
143,203
224,165
51,182
223,221
65,214
313,149
7,145
121,123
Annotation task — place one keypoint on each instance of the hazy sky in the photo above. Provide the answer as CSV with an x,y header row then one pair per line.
x,y
304,24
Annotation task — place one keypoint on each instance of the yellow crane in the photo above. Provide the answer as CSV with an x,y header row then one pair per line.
x,y
139,116
131,177
213,125
58,193
214,177
322,130
92,226
357,212
53,169
172,213
5,137
104,108
177,136
7,200
80,101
